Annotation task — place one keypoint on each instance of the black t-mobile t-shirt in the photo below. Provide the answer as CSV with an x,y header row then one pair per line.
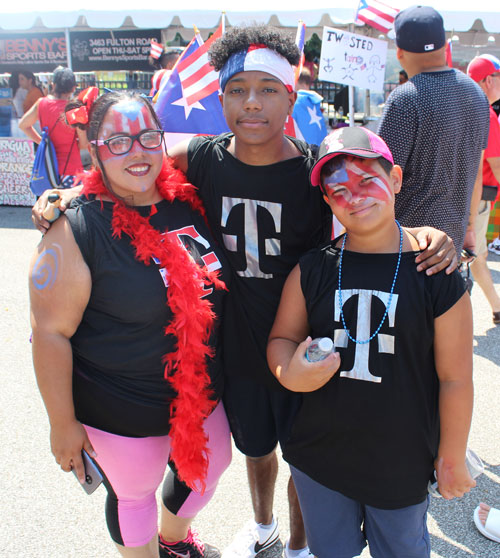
x,y
119,383
372,431
265,217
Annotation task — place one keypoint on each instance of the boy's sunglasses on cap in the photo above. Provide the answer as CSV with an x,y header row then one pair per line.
x,y
120,145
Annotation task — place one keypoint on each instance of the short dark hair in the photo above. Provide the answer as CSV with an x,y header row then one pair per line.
x,y
305,77
64,80
166,58
240,38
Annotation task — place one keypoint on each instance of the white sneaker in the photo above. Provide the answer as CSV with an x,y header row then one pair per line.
x,y
495,246
304,553
252,540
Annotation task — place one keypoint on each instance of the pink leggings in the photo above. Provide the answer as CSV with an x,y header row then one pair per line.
x,y
134,469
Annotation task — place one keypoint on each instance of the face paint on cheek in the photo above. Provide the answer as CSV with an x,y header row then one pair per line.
x,y
365,182
359,181
332,184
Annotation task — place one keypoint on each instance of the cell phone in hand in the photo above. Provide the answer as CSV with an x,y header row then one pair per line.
x,y
93,477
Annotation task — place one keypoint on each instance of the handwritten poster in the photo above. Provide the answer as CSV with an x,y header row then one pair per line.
x,y
352,59
16,162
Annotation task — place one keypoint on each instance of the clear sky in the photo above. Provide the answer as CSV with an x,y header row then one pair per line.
x,y
228,5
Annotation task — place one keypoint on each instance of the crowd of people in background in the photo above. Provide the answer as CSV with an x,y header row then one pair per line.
x,y
412,201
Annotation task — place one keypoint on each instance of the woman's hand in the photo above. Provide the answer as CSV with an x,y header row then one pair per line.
x,y
304,376
41,204
67,441
438,251
453,478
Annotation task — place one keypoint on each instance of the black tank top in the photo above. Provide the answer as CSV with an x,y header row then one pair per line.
x,y
119,383
372,431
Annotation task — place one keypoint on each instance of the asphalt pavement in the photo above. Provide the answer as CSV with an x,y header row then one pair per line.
x,y
45,514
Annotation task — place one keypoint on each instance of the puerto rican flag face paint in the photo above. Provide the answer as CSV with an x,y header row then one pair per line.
x,y
125,118
356,182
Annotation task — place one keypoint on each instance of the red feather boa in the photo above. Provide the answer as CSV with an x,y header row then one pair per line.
x,y
186,367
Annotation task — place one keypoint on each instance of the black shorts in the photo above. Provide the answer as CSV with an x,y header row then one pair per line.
x,y
259,416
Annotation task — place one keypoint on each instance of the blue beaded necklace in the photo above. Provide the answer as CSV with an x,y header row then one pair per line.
x,y
390,295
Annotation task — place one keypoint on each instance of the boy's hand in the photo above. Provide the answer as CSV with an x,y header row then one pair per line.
x,y
454,479
41,203
304,376
438,251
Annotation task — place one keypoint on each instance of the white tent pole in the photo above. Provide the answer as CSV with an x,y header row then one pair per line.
x,y
68,48
351,105
351,90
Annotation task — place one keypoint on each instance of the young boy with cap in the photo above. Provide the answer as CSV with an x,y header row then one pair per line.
x,y
395,402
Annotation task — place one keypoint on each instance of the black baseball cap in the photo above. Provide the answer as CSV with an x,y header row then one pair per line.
x,y
419,29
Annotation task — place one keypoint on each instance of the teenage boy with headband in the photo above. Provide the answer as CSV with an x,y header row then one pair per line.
x,y
254,183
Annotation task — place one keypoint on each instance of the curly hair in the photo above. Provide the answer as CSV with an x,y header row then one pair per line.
x,y
240,38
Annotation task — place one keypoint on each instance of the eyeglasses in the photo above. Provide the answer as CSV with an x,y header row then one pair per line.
x,y
119,145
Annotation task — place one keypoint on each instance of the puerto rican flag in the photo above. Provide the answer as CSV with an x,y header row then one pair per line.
x,y
448,53
374,13
189,103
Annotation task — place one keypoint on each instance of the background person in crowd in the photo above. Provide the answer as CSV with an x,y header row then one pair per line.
x,y
163,59
485,71
18,94
254,182
118,288
436,126
487,520
307,111
389,407
49,112
27,81
403,77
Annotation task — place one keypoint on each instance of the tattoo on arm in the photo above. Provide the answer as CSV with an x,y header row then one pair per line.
x,y
46,268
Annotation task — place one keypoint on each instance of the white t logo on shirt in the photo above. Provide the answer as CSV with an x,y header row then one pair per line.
x,y
360,370
251,232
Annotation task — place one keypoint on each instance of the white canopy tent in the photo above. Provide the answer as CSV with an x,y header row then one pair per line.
x,y
469,25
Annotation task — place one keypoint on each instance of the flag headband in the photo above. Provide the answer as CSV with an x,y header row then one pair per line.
x,y
258,58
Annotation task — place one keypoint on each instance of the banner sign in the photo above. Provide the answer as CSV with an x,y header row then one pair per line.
x,y
36,52
352,59
16,162
112,50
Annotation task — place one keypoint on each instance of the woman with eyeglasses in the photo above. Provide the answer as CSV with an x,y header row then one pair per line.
x,y
125,293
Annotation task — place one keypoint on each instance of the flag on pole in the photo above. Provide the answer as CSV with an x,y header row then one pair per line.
x,y
189,103
300,39
307,122
156,49
375,13
448,53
